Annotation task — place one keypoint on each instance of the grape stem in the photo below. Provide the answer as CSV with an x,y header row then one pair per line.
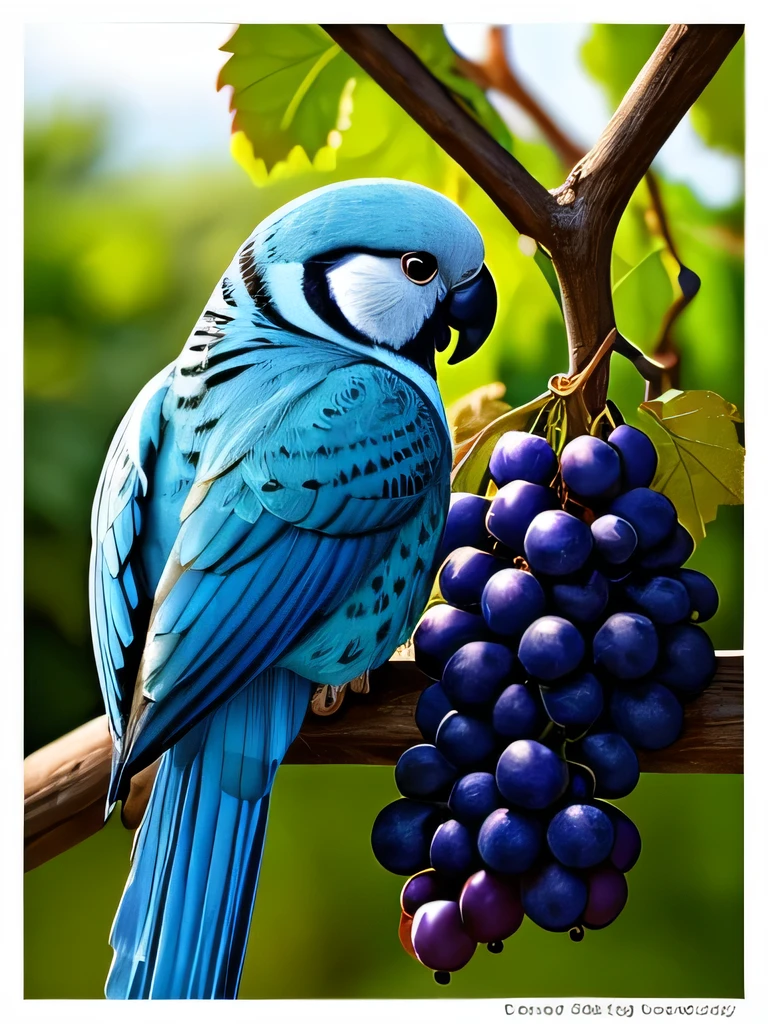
x,y
575,223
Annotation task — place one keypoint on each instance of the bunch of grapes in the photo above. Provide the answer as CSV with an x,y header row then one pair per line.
x,y
567,640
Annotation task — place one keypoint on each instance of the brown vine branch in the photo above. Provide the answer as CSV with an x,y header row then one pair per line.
x,y
65,783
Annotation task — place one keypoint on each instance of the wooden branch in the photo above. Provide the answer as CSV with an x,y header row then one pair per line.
x,y
397,69
65,783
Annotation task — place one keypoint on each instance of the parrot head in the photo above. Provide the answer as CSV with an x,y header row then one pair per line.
x,y
371,263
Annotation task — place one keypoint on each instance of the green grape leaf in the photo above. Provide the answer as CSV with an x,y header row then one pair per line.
x,y
293,86
473,411
701,462
287,82
472,458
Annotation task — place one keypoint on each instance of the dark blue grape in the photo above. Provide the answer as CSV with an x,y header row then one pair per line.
x,y
490,907
420,889
511,600
662,599
476,673
637,454
580,599
702,593
557,543
615,539
452,851
439,938
648,715
464,574
550,648
522,456
687,661
590,467
401,836
531,775
613,762
607,896
465,524
431,708
517,714
423,773
465,741
627,843
671,553
576,703
509,841
651,514
514,508
441,632
580,836
626,645
474,797
554,897
581,785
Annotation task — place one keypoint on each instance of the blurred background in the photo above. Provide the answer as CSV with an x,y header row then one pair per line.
x,y
136,199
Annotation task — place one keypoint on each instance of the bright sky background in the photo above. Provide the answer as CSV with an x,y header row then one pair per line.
x,y
159,82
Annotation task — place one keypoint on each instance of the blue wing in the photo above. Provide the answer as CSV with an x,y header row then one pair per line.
x,y
294,503
120,599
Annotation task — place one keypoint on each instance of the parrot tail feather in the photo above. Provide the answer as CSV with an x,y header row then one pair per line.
x,y
182,925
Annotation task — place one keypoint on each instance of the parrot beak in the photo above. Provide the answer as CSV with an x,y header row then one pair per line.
x,y
472,311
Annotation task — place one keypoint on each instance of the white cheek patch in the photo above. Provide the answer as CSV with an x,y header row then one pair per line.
x,y
378,300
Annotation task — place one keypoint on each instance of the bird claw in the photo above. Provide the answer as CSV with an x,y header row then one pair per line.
x,y
327,700
361,683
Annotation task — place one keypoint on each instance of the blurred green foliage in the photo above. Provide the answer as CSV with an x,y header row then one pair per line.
x,y
117,268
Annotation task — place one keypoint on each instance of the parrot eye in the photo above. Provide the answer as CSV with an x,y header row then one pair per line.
x,y
419,267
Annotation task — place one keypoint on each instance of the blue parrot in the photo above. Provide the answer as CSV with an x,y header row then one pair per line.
x,y
268,519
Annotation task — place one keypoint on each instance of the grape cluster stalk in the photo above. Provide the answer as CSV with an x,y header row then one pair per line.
x,y
568,638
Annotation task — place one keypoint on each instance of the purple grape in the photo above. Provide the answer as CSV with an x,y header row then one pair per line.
x,y
441,632
607,896
465,524
439,938
420,889
627,843
590,467
671,553
516,714
474,797
626,645
557,543
576,703
687,662
702,593
550,648
660,598
581,598
401,835
452,851
522,456
513,510
651,514
509,841
511,600
476,673
637,454
615,539
648,715
490,907
531,775
431,708
423,773
612,761
465,741
554,897
464,575
580,836
581,785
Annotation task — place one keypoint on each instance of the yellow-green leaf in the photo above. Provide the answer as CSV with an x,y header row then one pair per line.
x,y
471,472
473,411
701,462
